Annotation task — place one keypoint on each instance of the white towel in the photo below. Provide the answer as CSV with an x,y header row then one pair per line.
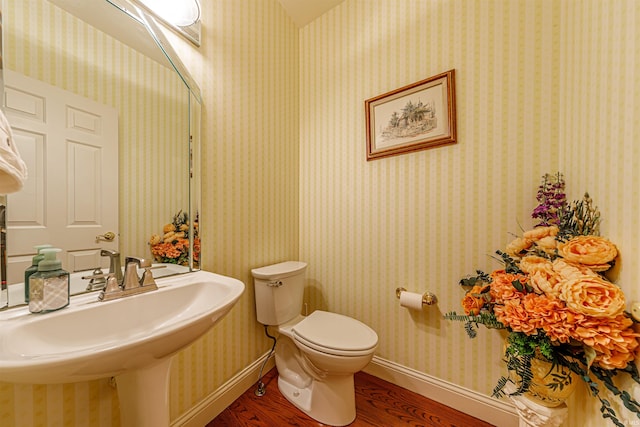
x,y
13,171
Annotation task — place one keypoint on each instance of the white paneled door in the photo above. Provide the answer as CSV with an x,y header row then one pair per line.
x,y
70,146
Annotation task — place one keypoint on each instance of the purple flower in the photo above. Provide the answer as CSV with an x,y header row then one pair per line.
x,y
552,201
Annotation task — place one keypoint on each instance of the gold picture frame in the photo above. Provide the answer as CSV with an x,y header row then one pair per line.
x,y
416,117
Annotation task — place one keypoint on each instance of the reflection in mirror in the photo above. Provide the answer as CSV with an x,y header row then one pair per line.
x,y
104,128
182,17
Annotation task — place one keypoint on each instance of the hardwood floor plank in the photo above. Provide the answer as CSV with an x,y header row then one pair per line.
x,y
378,403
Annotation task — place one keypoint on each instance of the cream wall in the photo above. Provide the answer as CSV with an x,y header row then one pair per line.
x,y
599,140
247,69
541,86
423,220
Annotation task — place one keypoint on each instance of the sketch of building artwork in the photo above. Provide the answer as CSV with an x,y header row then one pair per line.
x,y
412,121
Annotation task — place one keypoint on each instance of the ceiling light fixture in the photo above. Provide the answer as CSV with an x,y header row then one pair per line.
x,y
181,13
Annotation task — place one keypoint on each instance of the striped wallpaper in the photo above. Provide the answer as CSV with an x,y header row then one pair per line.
x,y
599,138
426,219
542,86
248,71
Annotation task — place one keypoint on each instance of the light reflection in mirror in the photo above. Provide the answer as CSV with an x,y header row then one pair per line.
x,y
183,13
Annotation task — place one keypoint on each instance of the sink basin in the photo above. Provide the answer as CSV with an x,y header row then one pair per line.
x,y
90,339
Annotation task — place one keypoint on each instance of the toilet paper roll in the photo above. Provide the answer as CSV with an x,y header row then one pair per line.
x,y
411,300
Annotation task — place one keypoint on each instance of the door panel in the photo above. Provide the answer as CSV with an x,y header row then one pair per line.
x,y
70,146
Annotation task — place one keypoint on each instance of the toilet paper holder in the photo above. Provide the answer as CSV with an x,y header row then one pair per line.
x,y
428,298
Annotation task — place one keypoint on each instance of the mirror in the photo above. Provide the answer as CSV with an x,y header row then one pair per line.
x,y
181,17
103,69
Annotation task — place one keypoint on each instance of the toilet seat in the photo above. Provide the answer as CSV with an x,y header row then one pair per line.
x,y
335,334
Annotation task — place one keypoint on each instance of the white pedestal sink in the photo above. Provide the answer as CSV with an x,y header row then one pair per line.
x,y
132,339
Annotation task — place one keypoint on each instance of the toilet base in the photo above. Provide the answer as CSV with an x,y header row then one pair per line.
x,y
331,401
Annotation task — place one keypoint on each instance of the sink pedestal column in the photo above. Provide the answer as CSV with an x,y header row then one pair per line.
x,y
144,396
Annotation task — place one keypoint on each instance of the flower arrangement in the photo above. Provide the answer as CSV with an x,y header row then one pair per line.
x,y
173,246
555,302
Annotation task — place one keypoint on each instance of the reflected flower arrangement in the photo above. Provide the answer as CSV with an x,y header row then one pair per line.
x,y
173,246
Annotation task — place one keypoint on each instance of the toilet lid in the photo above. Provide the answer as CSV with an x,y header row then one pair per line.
x,y
331,331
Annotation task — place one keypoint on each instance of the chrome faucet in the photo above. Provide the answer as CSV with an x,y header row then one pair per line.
x,y
132,284
114,263
131,265
98,279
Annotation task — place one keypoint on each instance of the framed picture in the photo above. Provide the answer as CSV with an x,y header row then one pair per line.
x,y
415,117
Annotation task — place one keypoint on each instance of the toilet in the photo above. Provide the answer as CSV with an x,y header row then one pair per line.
x,y
316,355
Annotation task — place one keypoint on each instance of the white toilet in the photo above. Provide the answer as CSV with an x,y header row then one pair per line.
x,y
316,355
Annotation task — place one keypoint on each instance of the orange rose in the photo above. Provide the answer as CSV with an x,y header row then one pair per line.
x,y
515,315
560,323
540,233
196,248
538,308
593,296
548,244
473,301
613,339
165,250
567,270
588,250
544,238
542,277
517,246
532,263
502,288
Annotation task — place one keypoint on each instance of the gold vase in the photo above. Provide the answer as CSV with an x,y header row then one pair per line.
x,y
551,385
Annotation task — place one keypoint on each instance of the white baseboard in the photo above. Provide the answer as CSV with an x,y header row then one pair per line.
x,y
212,405
493,411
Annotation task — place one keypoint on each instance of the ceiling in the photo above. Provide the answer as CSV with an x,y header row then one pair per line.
x,y
110,20
103,16
304,11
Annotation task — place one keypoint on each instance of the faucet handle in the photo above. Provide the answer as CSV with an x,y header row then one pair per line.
x,y
114,263
147,278
97,280
139,261
131,278
112,284
109,252
112,289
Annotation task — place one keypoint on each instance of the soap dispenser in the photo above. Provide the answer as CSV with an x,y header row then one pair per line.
x,y
32,269
49,286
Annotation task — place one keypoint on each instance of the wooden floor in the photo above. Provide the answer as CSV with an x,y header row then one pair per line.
x,y
378,403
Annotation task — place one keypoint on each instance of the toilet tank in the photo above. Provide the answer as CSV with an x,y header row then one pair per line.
x,y
279,289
